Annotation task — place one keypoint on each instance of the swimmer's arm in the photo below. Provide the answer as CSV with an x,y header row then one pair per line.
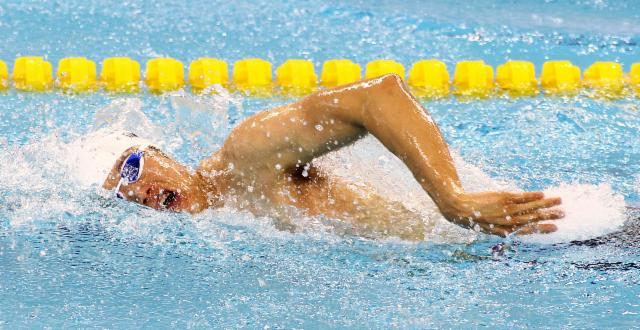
x,y
288,137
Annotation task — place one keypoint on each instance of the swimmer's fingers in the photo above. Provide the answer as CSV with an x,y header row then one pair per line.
x,y
523,208
537,228
533,228
539,215
525,197
523,219
497,230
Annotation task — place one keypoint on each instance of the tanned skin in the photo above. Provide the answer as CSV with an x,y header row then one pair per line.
x,y
267,161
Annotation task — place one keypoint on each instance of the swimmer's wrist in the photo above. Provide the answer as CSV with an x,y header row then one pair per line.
x,y
453,204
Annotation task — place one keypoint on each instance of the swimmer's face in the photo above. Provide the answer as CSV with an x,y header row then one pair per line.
x,y
163,185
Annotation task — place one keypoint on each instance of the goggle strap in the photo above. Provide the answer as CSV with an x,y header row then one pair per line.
x,y
118,193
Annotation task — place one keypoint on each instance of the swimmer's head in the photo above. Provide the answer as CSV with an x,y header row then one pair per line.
x,y
163,183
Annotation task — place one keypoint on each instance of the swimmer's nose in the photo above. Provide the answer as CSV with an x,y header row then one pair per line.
x,y
142,196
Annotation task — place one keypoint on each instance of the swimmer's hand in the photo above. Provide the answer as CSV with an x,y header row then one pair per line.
x,y
503,213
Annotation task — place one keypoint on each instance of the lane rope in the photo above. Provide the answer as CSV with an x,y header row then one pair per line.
x,y
254,77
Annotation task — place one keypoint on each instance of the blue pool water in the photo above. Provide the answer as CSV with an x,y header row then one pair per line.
x,y
72,256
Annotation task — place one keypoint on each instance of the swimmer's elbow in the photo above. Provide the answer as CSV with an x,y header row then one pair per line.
x,y
391,80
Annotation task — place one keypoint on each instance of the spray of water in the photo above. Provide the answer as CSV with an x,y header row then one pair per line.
x,y
45,172
590,210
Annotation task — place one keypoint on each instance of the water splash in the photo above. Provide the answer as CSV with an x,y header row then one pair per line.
x,y
109,263
590,211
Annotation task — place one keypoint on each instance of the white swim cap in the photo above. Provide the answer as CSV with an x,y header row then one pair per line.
x,y
92,156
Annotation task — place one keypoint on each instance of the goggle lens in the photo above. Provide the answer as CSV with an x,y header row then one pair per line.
x,y
131,170
131,167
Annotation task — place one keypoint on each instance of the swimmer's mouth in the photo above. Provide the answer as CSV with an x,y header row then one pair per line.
x,y
168,200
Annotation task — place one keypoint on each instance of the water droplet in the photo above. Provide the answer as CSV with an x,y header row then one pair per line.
x,y
319,128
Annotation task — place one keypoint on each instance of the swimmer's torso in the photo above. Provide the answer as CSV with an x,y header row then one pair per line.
x,y
317,193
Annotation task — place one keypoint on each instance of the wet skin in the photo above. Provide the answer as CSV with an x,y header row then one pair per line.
x,y
163,185
267,160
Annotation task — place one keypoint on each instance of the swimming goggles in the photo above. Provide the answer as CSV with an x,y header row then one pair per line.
x,y
131,170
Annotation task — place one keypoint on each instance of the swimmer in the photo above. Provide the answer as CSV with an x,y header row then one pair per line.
x,y
268,160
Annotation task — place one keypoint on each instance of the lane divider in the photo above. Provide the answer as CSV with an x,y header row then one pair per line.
x,y
560,77
473,79
76,74
32,74
205,72
429,78
605,78
120,75
4,76
379,68
253,76
164,75
517,78
339,72
635,78
296,77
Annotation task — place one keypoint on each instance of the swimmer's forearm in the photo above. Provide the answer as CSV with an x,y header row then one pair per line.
x,y
387,110
405,127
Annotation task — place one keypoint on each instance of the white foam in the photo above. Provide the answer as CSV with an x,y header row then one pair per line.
x,y
45,165
369,163
90,157
590,211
